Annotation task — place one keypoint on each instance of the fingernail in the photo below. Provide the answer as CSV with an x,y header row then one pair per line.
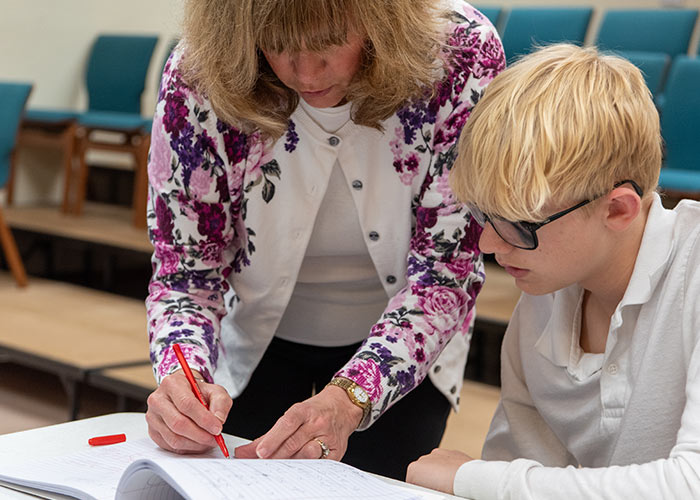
x,y
261,452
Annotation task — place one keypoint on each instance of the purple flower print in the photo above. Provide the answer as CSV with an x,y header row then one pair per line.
x,y
235,143
176,112
425,218
164,220
292,138
211,220
406,379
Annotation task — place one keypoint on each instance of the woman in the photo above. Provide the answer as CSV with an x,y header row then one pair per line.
x,y
303,229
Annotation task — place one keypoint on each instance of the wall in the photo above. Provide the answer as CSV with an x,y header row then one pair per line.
x,y
46,42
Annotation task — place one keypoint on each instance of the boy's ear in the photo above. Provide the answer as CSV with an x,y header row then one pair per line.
x,y
623,206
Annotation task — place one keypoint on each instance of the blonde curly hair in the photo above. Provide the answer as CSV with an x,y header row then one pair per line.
x,y
223,57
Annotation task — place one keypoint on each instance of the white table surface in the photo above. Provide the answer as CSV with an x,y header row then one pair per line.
x,y
70,437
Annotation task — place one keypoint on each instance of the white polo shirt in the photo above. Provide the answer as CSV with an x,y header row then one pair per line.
x,y
622,424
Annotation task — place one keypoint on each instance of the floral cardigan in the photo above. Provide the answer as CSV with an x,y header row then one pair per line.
x,y
230,215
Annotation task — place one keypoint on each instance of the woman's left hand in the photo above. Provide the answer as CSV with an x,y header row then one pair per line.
x,y
329,417
437,470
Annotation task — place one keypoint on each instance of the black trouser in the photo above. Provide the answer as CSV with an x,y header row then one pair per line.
x,y
287,374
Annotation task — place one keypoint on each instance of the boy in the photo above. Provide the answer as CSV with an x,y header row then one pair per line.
x,y
601,361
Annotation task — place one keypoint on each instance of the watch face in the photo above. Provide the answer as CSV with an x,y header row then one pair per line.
x,y
360,394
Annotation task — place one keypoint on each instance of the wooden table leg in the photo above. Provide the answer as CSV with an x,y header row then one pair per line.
x,y
140,199
9,247
68,140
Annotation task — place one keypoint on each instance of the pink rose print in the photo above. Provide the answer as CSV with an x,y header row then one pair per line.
x,y
200,183
366,373
159,169
260,153
169,259
442,307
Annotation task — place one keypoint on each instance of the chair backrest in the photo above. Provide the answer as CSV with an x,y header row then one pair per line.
x,y
526,28
680,117
492,13
654,66
649,30
116,72
13,98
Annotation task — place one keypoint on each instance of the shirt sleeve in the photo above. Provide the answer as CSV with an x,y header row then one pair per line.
x,y
190,214
677,476
444,269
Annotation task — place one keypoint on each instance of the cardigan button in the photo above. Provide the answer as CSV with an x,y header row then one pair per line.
x,y
391,279
357,184
333,141
374,235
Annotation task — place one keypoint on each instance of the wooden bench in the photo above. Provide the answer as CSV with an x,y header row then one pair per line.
x,y
70,331
134,382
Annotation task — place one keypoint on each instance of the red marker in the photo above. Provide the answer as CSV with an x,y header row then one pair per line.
x,y
103,440
195,389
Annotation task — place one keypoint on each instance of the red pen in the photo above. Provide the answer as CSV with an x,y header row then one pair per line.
x,y
103,440
195,389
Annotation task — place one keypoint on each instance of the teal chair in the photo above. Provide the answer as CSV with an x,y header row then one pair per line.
x,y
680,123
491,13
13,98
527,28
647,30
115,80
653,65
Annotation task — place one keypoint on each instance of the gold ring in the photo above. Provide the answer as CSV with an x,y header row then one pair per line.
x,y
325,450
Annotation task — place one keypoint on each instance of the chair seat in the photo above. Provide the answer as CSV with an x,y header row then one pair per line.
x,y
49,116
112,120
680,179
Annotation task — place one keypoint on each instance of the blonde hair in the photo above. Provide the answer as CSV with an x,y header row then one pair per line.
x,y
563,124
223,58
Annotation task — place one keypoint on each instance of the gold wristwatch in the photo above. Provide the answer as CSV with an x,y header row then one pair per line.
x,y
356,393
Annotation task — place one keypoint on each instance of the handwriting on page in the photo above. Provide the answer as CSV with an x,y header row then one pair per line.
x,y
276,480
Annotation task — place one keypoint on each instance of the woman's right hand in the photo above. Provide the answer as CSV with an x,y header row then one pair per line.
x,y
178,422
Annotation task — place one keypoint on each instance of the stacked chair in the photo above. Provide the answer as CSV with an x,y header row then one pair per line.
x,y
13,98
492,13
114,79
680,126
649,38
527,28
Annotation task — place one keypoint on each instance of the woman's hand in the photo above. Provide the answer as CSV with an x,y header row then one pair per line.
x,y
437,470
178,422
329,417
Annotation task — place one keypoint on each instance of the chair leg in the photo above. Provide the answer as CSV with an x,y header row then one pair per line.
x,y
10,190
140,198
81,187
69,140
14,260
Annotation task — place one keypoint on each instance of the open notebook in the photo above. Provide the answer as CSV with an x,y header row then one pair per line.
x,y
138,470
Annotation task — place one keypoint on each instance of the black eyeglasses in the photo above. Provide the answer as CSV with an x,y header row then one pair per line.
x,y
523,234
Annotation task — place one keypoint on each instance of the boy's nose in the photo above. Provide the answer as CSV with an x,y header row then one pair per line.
x,y
491,242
